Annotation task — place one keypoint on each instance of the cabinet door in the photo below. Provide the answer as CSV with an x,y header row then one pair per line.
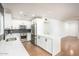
x,y
39,41
45,43
48,45
42,43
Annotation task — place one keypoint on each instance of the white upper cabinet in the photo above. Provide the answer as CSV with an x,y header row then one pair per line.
x,y
8,20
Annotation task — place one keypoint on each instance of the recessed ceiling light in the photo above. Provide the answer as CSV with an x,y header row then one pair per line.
x,y
33,15
21,12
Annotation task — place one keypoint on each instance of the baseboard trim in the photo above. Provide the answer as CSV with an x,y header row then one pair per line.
x,y
55,53
43,49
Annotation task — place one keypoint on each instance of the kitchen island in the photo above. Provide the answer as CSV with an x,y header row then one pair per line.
x,y
12,48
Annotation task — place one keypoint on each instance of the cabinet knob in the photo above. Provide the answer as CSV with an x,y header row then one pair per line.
x,y
45,40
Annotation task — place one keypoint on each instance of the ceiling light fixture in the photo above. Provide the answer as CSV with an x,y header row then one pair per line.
x,y
21,12
33,15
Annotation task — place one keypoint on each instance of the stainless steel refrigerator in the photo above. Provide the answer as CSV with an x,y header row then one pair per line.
x,y
34,34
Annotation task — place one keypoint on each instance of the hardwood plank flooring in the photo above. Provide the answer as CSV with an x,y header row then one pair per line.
x,y
34,50
69,46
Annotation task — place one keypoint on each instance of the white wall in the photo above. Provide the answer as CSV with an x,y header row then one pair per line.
x,y
71,28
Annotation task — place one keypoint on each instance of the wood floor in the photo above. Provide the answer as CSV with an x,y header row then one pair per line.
x,y
69,46
34,50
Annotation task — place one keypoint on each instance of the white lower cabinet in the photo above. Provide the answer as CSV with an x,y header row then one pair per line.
x,y
44,43
38,41
48,45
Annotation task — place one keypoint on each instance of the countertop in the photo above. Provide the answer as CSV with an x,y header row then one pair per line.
x,y
12,48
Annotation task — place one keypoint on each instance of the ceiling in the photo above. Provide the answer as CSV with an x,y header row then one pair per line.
x,y
61,11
